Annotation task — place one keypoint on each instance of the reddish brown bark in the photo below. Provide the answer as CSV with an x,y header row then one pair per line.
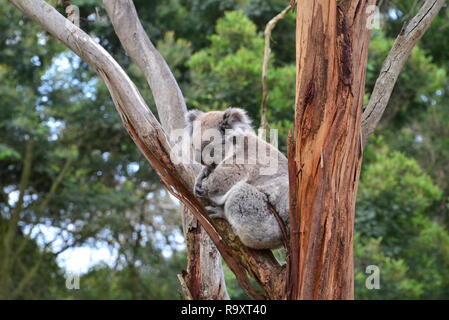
x,y
332,42
293,252
202,278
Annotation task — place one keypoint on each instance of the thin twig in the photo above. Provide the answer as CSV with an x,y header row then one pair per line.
x,y
266,60
282,226
292,5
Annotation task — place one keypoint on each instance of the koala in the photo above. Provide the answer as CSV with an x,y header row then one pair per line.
x,y
240,180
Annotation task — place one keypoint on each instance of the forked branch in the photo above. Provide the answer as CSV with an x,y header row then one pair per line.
x,y
204,274
152,141
168,97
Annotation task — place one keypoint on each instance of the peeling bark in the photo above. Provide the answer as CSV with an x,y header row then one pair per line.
x,y
332,43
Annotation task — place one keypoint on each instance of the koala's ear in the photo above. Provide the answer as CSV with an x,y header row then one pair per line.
x,y
191,116
236,118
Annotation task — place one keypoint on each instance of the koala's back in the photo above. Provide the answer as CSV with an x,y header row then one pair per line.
x,y
262,159
247,212
270,178
268,172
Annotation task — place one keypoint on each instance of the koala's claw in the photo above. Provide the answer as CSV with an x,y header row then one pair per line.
x,y
215,209
216,216
217,212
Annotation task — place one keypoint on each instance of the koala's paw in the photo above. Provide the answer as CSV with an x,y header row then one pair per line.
x,y
218,212
199,191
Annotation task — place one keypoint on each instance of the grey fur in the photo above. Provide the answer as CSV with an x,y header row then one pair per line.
x,y
240,193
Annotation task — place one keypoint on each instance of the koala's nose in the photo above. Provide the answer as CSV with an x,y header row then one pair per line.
x,y
198,191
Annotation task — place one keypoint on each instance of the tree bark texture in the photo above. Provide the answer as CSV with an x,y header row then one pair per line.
x,y
332,50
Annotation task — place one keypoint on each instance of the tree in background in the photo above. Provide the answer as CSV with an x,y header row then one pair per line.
x,y
62,186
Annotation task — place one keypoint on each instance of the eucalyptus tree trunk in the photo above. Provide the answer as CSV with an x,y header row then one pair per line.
x,y
332,46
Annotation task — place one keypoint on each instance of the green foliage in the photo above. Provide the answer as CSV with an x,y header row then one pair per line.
x,y
35,262
407,275
395,282
393,191
153,278
87,180
417,86
281,103
234,290
431,266
395,231
225,74
228,73
175,51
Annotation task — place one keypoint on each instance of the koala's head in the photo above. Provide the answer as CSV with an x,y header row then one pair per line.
x,y
209,130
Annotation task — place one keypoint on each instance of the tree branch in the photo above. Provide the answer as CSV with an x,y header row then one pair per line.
x,y
152,141
205,274
168,97
393,64
54,186
12,227
266,60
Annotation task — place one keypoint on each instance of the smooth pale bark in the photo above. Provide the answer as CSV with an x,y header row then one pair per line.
x,y
332,46
204,277
394,63
168,97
